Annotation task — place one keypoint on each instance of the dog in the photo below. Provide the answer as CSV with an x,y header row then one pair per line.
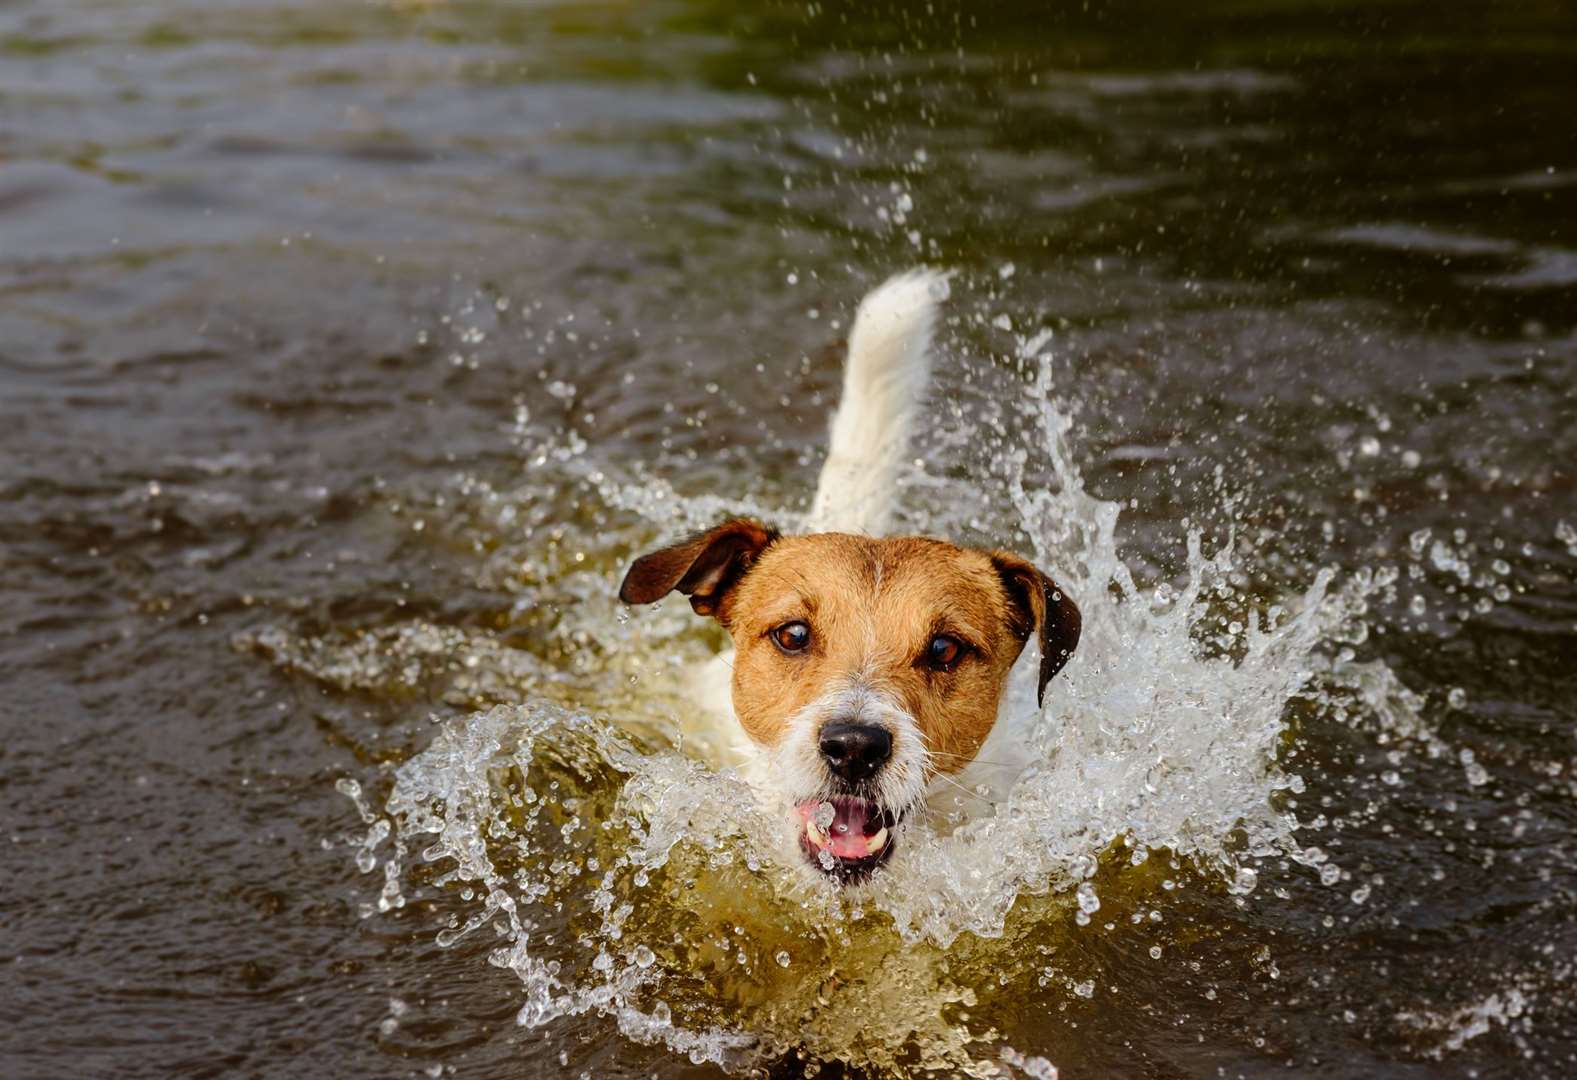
x,y
867,671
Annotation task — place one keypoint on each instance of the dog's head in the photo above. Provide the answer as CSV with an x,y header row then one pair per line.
x,y
864,667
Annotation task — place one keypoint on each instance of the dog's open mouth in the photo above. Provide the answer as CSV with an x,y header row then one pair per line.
x,y
845,836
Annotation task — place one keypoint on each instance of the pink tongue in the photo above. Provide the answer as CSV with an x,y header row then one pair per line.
x,y
851,826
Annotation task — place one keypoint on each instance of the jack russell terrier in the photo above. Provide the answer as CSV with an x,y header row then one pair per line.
x,y
867,670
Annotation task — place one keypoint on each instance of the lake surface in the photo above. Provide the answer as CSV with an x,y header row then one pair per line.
x,y
349,351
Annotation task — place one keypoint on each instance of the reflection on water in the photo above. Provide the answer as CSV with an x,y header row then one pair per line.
x,y
348,351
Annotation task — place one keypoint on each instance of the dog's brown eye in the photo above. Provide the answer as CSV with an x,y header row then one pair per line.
x,y
792,637
944,651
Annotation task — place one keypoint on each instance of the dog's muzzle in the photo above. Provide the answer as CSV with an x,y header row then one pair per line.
x,y
850,764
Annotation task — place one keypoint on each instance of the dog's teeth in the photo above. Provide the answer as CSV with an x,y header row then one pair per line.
x,y
877,842
817,837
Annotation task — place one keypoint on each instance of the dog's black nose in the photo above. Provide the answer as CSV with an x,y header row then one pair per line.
x,y
855,751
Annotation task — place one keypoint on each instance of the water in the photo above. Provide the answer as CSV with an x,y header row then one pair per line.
x,y
349,352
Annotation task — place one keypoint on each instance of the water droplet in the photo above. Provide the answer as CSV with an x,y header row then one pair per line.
x,y
1477,775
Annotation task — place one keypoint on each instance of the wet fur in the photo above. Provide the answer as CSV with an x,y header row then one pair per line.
x,y
873,604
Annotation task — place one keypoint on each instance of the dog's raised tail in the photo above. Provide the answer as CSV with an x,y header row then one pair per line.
x,y
884,380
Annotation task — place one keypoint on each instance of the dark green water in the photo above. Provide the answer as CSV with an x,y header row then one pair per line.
x,y
301,304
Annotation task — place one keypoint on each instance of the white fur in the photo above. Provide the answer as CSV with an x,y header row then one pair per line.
x,y
801,772
884,380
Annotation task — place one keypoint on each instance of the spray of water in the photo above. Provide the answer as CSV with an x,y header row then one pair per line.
x,y
625,874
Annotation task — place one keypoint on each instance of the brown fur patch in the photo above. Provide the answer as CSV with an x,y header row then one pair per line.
x,y
702,567
1040,602
873,607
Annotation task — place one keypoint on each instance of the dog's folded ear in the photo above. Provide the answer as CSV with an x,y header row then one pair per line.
x,y
703,567
1040,604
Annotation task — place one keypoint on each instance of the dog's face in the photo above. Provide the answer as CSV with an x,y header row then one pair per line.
x,y
863,667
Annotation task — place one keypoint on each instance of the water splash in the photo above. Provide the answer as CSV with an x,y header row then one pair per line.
x,y
627,875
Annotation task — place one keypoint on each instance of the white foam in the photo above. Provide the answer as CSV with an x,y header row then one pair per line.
x,y
1162,734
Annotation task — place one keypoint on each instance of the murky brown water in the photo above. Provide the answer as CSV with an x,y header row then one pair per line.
x,y
345,352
